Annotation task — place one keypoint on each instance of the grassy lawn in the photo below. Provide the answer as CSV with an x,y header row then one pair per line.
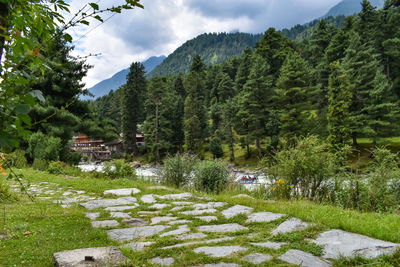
x,y
37,230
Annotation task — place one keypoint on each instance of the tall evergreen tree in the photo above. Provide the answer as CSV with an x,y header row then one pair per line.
x,y
178,138
243,69
132,105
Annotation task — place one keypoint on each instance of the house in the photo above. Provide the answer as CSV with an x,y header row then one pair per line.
x,y
118,147
94,149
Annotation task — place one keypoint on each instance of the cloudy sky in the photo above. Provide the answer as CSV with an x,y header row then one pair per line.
x,y
163,25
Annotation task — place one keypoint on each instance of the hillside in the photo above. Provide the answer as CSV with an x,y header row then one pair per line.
x,y
214,48
118,79
350,7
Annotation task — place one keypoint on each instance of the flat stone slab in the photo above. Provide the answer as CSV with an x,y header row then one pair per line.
x,y
135,222
177,196
156,220
177,208
121,192
92,215
105,223
102,256
207,218
101,203
221,251
223,228
264,217
198,212
209,205
303,259
191,236
138,246
159,206
216,240
182,203
221,264
122,208
146,212
148,199
268,244
163,261
181,230
293,224
179,222
257,258
339,243
118,214
236,210
127,234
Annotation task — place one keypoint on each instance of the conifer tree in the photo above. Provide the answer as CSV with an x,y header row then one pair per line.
x,y
178,138
132,105
243,69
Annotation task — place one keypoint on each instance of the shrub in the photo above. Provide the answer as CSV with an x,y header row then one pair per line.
x,y
211,176
215,147
40,164
17,159
44,147
177,170
72,158
119,169
6,194
304,168
56,167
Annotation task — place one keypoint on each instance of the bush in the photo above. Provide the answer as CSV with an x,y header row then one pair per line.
x,y
303,169
40,164
56,167
177,170
6,194
44,147
215,147
17,159
211,176
119,169
72,158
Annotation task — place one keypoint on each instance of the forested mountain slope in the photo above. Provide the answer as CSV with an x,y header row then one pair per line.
x,y
213,48
350,7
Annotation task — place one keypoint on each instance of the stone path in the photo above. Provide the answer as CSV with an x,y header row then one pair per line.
x,y
231,235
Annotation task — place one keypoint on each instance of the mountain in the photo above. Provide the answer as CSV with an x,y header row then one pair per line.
x,y
214,48
350,7
118,79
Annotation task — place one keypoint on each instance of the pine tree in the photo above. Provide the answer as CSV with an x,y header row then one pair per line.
x,y
339,102
132,105
243,69
178,136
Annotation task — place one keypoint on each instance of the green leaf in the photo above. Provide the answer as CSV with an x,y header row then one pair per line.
x,y
22,108
38,94
6,140
94,6
29,99
68,37
98,18
25,118
84,22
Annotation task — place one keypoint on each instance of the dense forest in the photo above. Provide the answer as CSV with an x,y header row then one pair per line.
x,y
341,84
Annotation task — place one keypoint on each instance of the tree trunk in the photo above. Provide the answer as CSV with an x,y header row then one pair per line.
x,y
4,12
231,145
354,136
156,137
248,150
258,147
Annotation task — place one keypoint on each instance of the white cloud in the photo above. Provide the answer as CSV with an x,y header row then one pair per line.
x,y
163,25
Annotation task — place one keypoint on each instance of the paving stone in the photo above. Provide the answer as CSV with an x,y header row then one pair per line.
x,y
127,234
121,208
177,196
221,264
67,193
221,251
303,259
207,218
135,222
101,203
138,246
181,230
92,215
222,239
145,212
206,198
177,208
148,199
264,217
79,192
229,227
257,258
179,222
163,261
105,223
209,205
198,212
159,206
339,243
156,220
191,236
101,256
182,203
293,224
236,210
117,214
121,192
268,244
